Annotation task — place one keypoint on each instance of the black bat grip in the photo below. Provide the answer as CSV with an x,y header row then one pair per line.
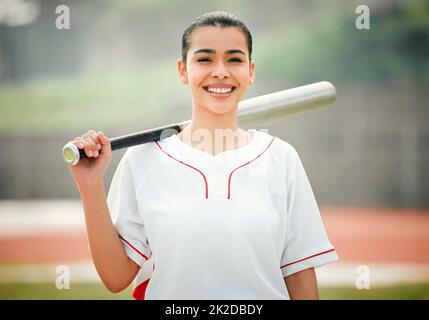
x,y
146,136
72,154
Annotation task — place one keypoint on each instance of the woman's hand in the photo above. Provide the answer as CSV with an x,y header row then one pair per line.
x,y
89,172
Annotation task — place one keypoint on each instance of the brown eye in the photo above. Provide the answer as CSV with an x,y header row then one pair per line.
x,y
203,60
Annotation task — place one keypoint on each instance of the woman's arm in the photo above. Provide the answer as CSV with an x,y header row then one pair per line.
x,y
303,285
116,270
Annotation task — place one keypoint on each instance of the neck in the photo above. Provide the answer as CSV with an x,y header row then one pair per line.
x,y
204,119
207,131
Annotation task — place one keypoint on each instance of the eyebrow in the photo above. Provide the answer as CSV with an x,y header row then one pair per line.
x,y
211,51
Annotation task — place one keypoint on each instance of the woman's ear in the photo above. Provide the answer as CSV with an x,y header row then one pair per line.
x,y
252,72
182,72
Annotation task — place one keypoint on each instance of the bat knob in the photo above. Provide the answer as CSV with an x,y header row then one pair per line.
x,y
71,154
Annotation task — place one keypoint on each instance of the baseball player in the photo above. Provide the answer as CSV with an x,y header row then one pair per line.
x,y
190,217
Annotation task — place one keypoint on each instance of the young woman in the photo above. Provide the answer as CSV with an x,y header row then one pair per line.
x,y
222,212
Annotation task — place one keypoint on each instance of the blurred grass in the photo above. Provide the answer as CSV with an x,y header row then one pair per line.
x,y
95,291
48,291
418,291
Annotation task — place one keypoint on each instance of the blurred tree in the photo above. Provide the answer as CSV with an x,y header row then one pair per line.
x,y
395,49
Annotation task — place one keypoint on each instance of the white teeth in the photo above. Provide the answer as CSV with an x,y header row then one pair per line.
x,y
219,90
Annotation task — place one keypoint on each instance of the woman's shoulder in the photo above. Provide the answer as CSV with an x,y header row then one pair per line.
x,y
141,154
278,145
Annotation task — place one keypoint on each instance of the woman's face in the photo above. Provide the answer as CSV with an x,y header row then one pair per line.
x,y
218,69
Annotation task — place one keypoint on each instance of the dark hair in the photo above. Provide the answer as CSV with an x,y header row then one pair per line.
x,y
215,19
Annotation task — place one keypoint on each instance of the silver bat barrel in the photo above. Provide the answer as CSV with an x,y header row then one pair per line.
x,y
287,102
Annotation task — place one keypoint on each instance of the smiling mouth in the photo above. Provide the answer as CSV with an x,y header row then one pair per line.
x,y
220,92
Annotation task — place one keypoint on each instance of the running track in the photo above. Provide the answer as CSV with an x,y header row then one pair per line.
x,y
359,234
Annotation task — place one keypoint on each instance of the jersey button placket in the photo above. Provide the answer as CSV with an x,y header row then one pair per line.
x,y
217,182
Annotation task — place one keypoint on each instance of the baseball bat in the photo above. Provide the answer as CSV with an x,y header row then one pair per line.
x,y
254,110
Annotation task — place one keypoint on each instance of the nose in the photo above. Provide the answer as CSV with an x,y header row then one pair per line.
x,y
220,72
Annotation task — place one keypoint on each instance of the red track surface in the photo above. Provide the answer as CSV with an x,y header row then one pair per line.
x,y
379,235
361,234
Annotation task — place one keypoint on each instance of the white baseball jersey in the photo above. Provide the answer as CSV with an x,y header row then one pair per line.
x,y
229,226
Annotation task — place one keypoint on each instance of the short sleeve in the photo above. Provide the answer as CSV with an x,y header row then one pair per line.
x,y
125,215
307,244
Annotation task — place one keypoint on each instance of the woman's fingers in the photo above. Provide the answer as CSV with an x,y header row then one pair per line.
x,y
93,143
78,143
106,148
90,145
95,138
87,141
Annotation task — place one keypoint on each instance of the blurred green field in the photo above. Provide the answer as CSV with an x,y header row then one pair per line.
x,y
418,291
48,291
106,97
95,291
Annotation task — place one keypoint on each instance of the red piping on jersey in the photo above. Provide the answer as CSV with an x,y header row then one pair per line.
x,y
205,180
133,247
230,175
314,255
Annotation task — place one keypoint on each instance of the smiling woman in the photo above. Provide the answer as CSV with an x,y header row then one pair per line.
x,y
239,221
216,64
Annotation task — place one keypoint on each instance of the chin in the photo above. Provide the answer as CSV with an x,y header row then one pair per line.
x,y
220,109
